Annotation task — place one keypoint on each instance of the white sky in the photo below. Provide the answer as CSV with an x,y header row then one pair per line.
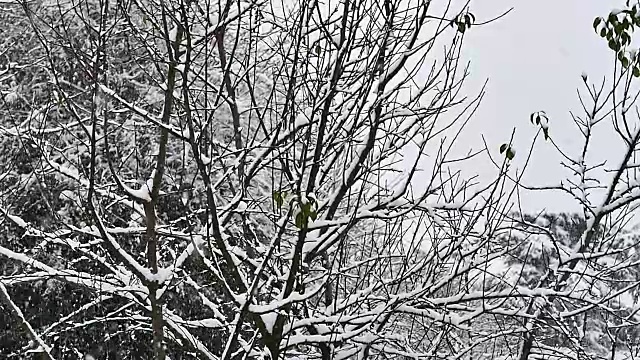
x,y
533,59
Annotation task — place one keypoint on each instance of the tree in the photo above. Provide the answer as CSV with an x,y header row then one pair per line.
x,y
591,281
233,180
226,180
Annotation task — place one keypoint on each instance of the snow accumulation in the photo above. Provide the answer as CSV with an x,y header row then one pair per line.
x,y
173,33
161,276
242,206
208,323
302,120
269,320
144,192
67,195
205,160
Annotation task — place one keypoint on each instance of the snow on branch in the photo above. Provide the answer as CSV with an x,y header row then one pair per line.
x,y
15,310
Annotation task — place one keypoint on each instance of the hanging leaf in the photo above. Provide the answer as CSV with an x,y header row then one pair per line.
x,y
625,62
503,147
278,197
510,153
596,22
305,209
300,221
473,17
468,20
613,45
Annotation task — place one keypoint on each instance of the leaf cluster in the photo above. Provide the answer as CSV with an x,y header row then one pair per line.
x,y
617,29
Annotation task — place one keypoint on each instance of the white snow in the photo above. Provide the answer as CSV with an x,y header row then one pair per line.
x,y
11,97
242,206
336,39
144,192
208,323
162,275
544,123
17,220
301,120
173,33
269,320
67,195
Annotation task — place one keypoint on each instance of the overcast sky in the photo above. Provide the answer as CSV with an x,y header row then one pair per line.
x,y
533,59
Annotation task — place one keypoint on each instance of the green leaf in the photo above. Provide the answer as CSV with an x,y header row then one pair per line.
x,y
613,18
537,119
278,198
461,27
613,45
503,147
467,20
603,32
300,220
636,71
596,22
510,154
313,215
305,209
546,133
318,49
625,39
625,62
